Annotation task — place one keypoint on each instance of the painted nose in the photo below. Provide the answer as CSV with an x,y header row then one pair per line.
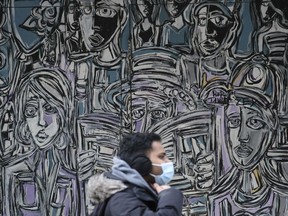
x,y
243,134
146,123
210,31
41,115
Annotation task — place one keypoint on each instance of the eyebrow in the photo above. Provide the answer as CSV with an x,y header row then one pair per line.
x,y
34,98
235,114
216,13
254,112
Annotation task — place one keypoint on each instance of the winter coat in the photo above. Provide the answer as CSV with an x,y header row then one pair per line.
x,y
123,192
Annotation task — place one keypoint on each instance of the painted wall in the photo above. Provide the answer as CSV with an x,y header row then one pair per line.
x,y
209,76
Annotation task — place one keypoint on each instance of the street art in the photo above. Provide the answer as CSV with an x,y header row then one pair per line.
x,y
210,77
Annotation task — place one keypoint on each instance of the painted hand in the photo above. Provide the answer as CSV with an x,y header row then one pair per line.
x,y
205,170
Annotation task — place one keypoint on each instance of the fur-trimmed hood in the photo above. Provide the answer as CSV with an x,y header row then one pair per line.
x,y
101,187
125,182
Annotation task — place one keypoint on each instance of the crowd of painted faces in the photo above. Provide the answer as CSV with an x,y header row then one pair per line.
x,y
253,94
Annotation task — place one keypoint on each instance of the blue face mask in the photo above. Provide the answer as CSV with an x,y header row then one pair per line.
x,y
167,173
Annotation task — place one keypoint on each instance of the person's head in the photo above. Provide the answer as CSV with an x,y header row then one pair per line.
x,y
145,7
147,110
135,148
257,74
176,7
101,22
268,10
44,109
251,128
214,28
73,14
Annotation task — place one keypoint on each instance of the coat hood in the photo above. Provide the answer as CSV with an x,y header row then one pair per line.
x,y
101,187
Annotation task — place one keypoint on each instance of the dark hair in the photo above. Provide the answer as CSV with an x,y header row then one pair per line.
x,y
136,144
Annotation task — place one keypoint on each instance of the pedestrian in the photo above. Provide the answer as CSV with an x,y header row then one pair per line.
x,y
137,183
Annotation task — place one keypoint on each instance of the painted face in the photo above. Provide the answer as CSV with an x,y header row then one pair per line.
x,y
212,30
42,119
99,24
145,7
248,135
176,7
72,14
266,11
147,112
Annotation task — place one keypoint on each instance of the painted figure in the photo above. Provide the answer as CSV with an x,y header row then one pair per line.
x,y
145,32
41,180
251,130
176,33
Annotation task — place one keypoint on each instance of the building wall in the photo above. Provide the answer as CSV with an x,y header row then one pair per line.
x,y
209,76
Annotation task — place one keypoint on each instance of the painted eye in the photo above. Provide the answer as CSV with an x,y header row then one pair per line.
x,y
71,8
255,76
255,123
138,113
30,111
219,21
105,12
202,20
158,114
234,122
49,109
87,10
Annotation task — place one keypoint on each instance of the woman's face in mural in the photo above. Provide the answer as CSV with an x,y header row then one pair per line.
x,y
212,28
147,112
176,7
248,135
99,23
42,119
145,7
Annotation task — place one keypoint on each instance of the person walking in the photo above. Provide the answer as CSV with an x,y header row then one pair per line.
x,y
137,183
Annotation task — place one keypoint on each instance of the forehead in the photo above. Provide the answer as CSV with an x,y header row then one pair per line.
x,y
210,9
157,148
112,3
32,96
236,109
108,3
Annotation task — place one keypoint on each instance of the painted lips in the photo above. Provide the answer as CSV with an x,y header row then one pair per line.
x,y
243,151
210,44
41,136
96,39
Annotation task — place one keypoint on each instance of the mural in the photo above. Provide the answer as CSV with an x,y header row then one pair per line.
x,y
209,76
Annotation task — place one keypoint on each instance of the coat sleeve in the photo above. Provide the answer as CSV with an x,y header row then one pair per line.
x,y
126,204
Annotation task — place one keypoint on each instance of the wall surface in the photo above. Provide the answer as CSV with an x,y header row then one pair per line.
x,y
209,76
